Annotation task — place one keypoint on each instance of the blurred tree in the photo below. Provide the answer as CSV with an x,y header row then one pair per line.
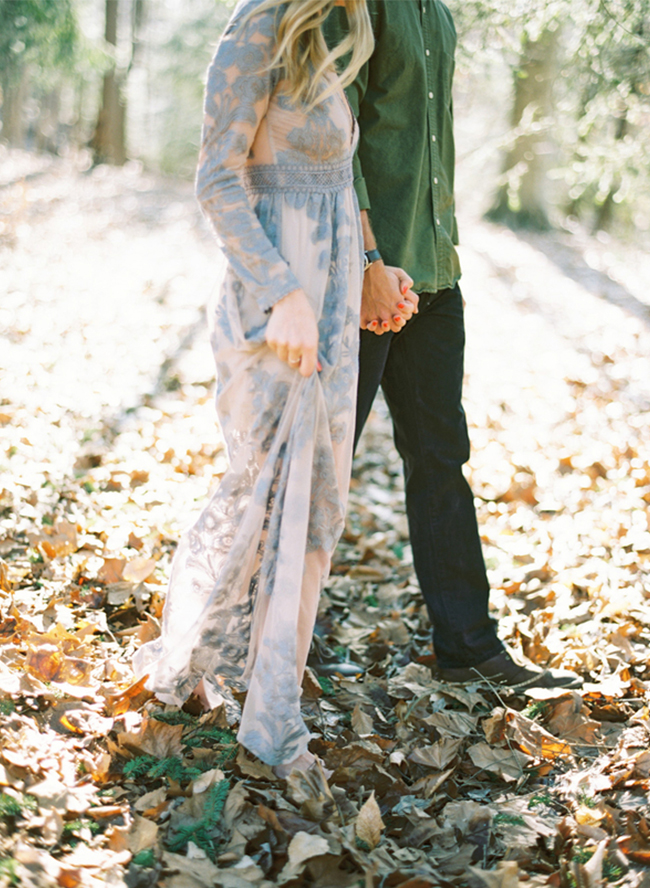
x,y
109,139
581,99
522,199
34,35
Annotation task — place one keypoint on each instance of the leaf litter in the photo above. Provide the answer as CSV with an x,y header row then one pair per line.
x,y
431,784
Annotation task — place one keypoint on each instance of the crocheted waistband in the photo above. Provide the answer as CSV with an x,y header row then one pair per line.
x,y
274,177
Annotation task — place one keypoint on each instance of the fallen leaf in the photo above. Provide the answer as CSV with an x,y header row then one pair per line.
x,y
509,764
153,738
368,825
437,756
138,570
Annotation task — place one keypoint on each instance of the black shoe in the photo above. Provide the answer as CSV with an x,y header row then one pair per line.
x,y
502,670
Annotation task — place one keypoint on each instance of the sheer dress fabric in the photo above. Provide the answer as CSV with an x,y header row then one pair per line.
x,y
275,182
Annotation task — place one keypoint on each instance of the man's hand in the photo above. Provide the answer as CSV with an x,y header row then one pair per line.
x,y
292,332
387,301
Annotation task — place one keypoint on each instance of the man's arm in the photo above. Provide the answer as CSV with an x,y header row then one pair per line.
x,y
386,301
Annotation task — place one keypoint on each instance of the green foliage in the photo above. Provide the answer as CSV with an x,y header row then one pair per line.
x,y
586,800
210,735
504,819
597,132
175,717
73,826
40,31
151,767
612,871
8,870
145,858
13,807
535,708
7,707
327,686
204,832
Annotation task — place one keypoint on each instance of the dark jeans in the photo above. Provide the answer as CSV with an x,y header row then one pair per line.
x,y
420,370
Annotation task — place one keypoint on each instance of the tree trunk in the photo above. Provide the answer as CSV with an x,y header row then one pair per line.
x,y
522,198
14,93
109,140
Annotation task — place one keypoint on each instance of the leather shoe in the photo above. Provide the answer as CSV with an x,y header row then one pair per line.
x,y
504,671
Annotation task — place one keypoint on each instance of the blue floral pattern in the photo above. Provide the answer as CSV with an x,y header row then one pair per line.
x,y
275,182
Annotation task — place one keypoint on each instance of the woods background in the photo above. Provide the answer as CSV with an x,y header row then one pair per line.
x,y
109,445
555,96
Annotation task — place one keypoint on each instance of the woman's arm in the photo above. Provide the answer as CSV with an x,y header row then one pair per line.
x,y
236,100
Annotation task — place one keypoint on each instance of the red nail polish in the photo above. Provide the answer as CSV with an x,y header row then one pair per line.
x,y
385,325
401,306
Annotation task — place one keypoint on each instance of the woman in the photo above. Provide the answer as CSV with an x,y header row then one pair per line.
x,y
275,182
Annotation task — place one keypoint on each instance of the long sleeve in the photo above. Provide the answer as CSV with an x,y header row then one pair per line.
x,y
239,87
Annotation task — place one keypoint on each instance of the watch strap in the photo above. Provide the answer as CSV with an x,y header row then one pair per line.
x,y
370,257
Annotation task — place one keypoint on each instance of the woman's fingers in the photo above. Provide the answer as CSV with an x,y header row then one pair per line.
x,y
293,357
307,362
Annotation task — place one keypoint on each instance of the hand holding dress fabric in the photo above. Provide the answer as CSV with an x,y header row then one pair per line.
x,y
292,332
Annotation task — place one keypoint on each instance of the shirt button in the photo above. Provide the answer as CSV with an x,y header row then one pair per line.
x,y
433,138
426,52
435,180
437,221
430,95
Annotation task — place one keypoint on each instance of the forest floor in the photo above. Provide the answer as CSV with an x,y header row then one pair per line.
x,y
110,445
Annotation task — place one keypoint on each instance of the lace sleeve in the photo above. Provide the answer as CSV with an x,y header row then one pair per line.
x,y
236,99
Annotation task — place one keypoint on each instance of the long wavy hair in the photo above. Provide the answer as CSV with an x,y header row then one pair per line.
x,y
302,53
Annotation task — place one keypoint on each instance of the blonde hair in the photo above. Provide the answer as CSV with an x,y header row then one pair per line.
x,y
302,53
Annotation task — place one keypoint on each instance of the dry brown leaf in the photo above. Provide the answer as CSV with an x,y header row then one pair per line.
x,y
361,722
506,875
311,689
437,756
569,720
148,629
5,583
60,540
153,738
131,699
304,846
49,663
253,767
111,570
368,825
142,834
138,570
509,764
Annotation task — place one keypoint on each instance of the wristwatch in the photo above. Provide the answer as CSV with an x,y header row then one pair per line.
x,y
370,257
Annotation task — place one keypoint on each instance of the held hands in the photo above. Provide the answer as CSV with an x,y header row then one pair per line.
x,y
387,301
292,332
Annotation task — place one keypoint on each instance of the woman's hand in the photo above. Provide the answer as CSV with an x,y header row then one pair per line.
x,y
387,302
292,332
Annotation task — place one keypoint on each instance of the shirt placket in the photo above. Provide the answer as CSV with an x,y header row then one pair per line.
x,y
434,145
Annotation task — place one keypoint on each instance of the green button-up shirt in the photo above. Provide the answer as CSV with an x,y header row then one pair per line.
x,y
404,166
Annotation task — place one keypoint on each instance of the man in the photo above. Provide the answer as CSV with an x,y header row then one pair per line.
x,y
413,348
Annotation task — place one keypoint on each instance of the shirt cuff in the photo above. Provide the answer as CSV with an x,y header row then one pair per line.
x,y
362,192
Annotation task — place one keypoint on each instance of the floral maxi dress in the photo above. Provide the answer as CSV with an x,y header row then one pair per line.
x,y
275,182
